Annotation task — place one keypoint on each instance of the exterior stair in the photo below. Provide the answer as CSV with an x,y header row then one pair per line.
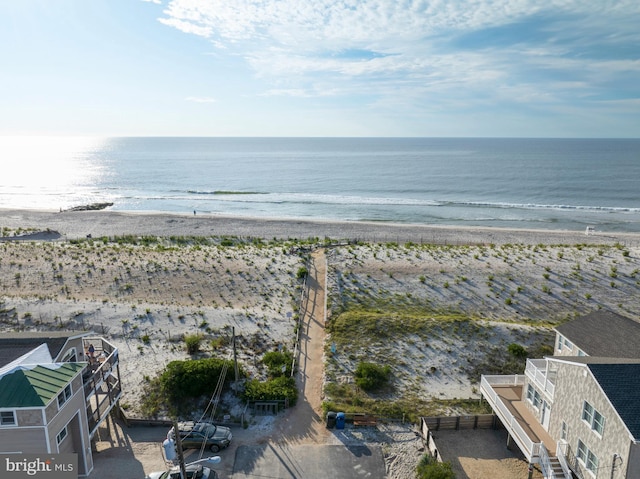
x,y
556,469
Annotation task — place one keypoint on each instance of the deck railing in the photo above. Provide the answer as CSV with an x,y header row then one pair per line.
x,y
101,381
536,370
561,453
529,448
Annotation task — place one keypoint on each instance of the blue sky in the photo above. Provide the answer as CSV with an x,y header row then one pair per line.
x,y
495,68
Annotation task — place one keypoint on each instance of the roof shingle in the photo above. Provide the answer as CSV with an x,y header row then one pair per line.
x,y
605,334
621,384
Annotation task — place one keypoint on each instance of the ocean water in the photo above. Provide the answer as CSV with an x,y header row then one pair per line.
x,y
515,183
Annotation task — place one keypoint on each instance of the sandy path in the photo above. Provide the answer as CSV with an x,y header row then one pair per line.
x,y
304,423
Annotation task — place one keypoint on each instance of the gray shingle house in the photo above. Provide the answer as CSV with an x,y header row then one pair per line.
x,y
577,414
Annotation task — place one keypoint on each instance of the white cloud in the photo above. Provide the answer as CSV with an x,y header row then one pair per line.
x,y
419,51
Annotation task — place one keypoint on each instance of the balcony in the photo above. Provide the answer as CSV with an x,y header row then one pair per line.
x,y
537,371
101,381
504,395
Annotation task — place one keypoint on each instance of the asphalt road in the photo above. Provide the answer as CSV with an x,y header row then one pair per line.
x,y
282,461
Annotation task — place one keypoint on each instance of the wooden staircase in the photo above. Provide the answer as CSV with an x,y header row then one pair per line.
x,y
556,469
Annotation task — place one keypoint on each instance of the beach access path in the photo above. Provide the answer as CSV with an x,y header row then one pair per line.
x,y
304,423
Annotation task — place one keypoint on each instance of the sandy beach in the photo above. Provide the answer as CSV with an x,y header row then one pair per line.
x,y
79,224
514,284
512,279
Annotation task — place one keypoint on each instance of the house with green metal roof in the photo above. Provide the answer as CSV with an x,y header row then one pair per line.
x,y
577,415
55,391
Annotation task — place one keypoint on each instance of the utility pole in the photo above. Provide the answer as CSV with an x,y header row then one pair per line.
x,y
235,358
183,471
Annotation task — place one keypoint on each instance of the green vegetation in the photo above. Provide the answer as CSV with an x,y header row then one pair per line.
x,y
372,377
282,387
278,363
182,383
193,342
302,272
430,468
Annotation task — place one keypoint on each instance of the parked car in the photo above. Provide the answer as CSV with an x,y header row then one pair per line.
x,y
193,434
196,471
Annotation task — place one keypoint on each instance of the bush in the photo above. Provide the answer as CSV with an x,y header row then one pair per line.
x,y
192,378
517,350
371,377
430,468
193,343
302,273
276,361
272,390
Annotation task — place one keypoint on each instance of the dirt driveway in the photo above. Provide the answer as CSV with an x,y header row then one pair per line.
x,y
482,454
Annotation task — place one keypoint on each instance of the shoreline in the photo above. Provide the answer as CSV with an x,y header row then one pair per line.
x,y
98,223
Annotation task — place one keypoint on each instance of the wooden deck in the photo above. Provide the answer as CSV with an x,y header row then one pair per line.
x,y
511,396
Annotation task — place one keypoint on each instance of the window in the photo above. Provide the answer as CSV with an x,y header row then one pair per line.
x,y
592,462
536,398
581,352
588,458
582,451
61,435
587,412
7,418
560,338
533,396
64,396
70,356
563,432
530,392
593,418
598,422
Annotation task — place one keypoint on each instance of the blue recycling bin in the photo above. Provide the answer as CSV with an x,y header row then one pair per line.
x,y
340,420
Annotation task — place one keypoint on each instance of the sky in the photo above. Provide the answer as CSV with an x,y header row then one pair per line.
x,y
438,68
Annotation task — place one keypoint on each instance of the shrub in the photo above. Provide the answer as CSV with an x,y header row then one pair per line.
x,y
271,390
193,343
276,361
302,272
192,378
517,350
371,377
430,468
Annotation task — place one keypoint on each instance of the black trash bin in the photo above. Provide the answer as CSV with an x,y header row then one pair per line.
x,y
331,420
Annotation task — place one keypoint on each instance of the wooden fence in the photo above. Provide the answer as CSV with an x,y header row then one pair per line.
x,y
428,425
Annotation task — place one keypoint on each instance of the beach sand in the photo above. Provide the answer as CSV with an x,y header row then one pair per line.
x,y
130,291
79,224
511,281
